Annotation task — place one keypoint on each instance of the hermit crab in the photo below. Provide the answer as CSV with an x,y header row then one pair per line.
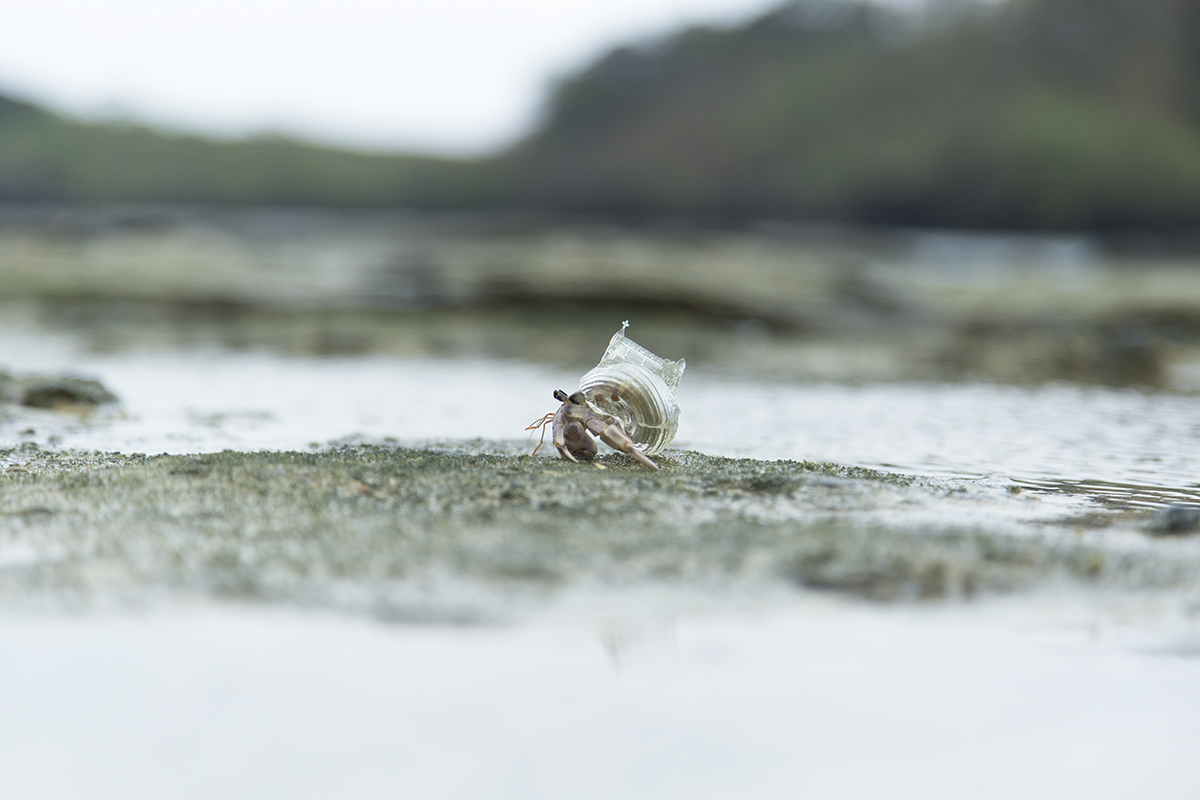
x,y
628,400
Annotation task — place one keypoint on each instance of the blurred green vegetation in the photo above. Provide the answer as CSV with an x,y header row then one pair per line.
x,y
1029,114
1054,114
46,158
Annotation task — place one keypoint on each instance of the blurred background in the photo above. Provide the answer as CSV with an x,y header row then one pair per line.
x,y
1007,191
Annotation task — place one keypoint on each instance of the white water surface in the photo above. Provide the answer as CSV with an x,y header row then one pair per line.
x,y
192,402
818,699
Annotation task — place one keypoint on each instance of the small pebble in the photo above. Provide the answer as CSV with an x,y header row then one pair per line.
x,y
1175,520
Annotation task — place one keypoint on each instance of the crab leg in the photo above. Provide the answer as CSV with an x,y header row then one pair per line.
x,y
613,435
541,422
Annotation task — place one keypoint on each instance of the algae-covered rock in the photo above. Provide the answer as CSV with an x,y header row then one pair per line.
x,y
1177,519
54,392
430,533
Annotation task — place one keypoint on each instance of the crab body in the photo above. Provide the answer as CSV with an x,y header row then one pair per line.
x,y
576,422
627,400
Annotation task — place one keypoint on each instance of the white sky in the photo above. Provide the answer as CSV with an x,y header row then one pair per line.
x,y
457,77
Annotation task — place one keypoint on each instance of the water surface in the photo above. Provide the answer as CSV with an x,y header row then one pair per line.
x,y
1127,445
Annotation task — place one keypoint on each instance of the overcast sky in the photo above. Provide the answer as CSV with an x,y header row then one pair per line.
x,y
457,77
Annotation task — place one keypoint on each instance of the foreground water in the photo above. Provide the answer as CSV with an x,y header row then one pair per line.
x,y
812,698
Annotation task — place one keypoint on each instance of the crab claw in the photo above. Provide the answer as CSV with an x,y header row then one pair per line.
x,y
575,443
560,444
613,435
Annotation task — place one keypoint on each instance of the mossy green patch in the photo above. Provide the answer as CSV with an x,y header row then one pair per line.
x,y
391,529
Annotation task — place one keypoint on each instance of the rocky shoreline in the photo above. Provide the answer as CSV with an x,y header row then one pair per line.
x,y
803,302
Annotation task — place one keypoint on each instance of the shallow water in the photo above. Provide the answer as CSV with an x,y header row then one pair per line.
x,y
1123,446
1052,701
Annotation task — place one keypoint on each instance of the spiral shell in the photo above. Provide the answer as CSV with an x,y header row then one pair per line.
x,y
638,388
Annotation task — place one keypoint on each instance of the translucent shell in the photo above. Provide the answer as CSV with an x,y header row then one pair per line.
x,y
638,388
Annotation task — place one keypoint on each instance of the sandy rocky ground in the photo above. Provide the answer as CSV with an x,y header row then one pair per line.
x,y
474,532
